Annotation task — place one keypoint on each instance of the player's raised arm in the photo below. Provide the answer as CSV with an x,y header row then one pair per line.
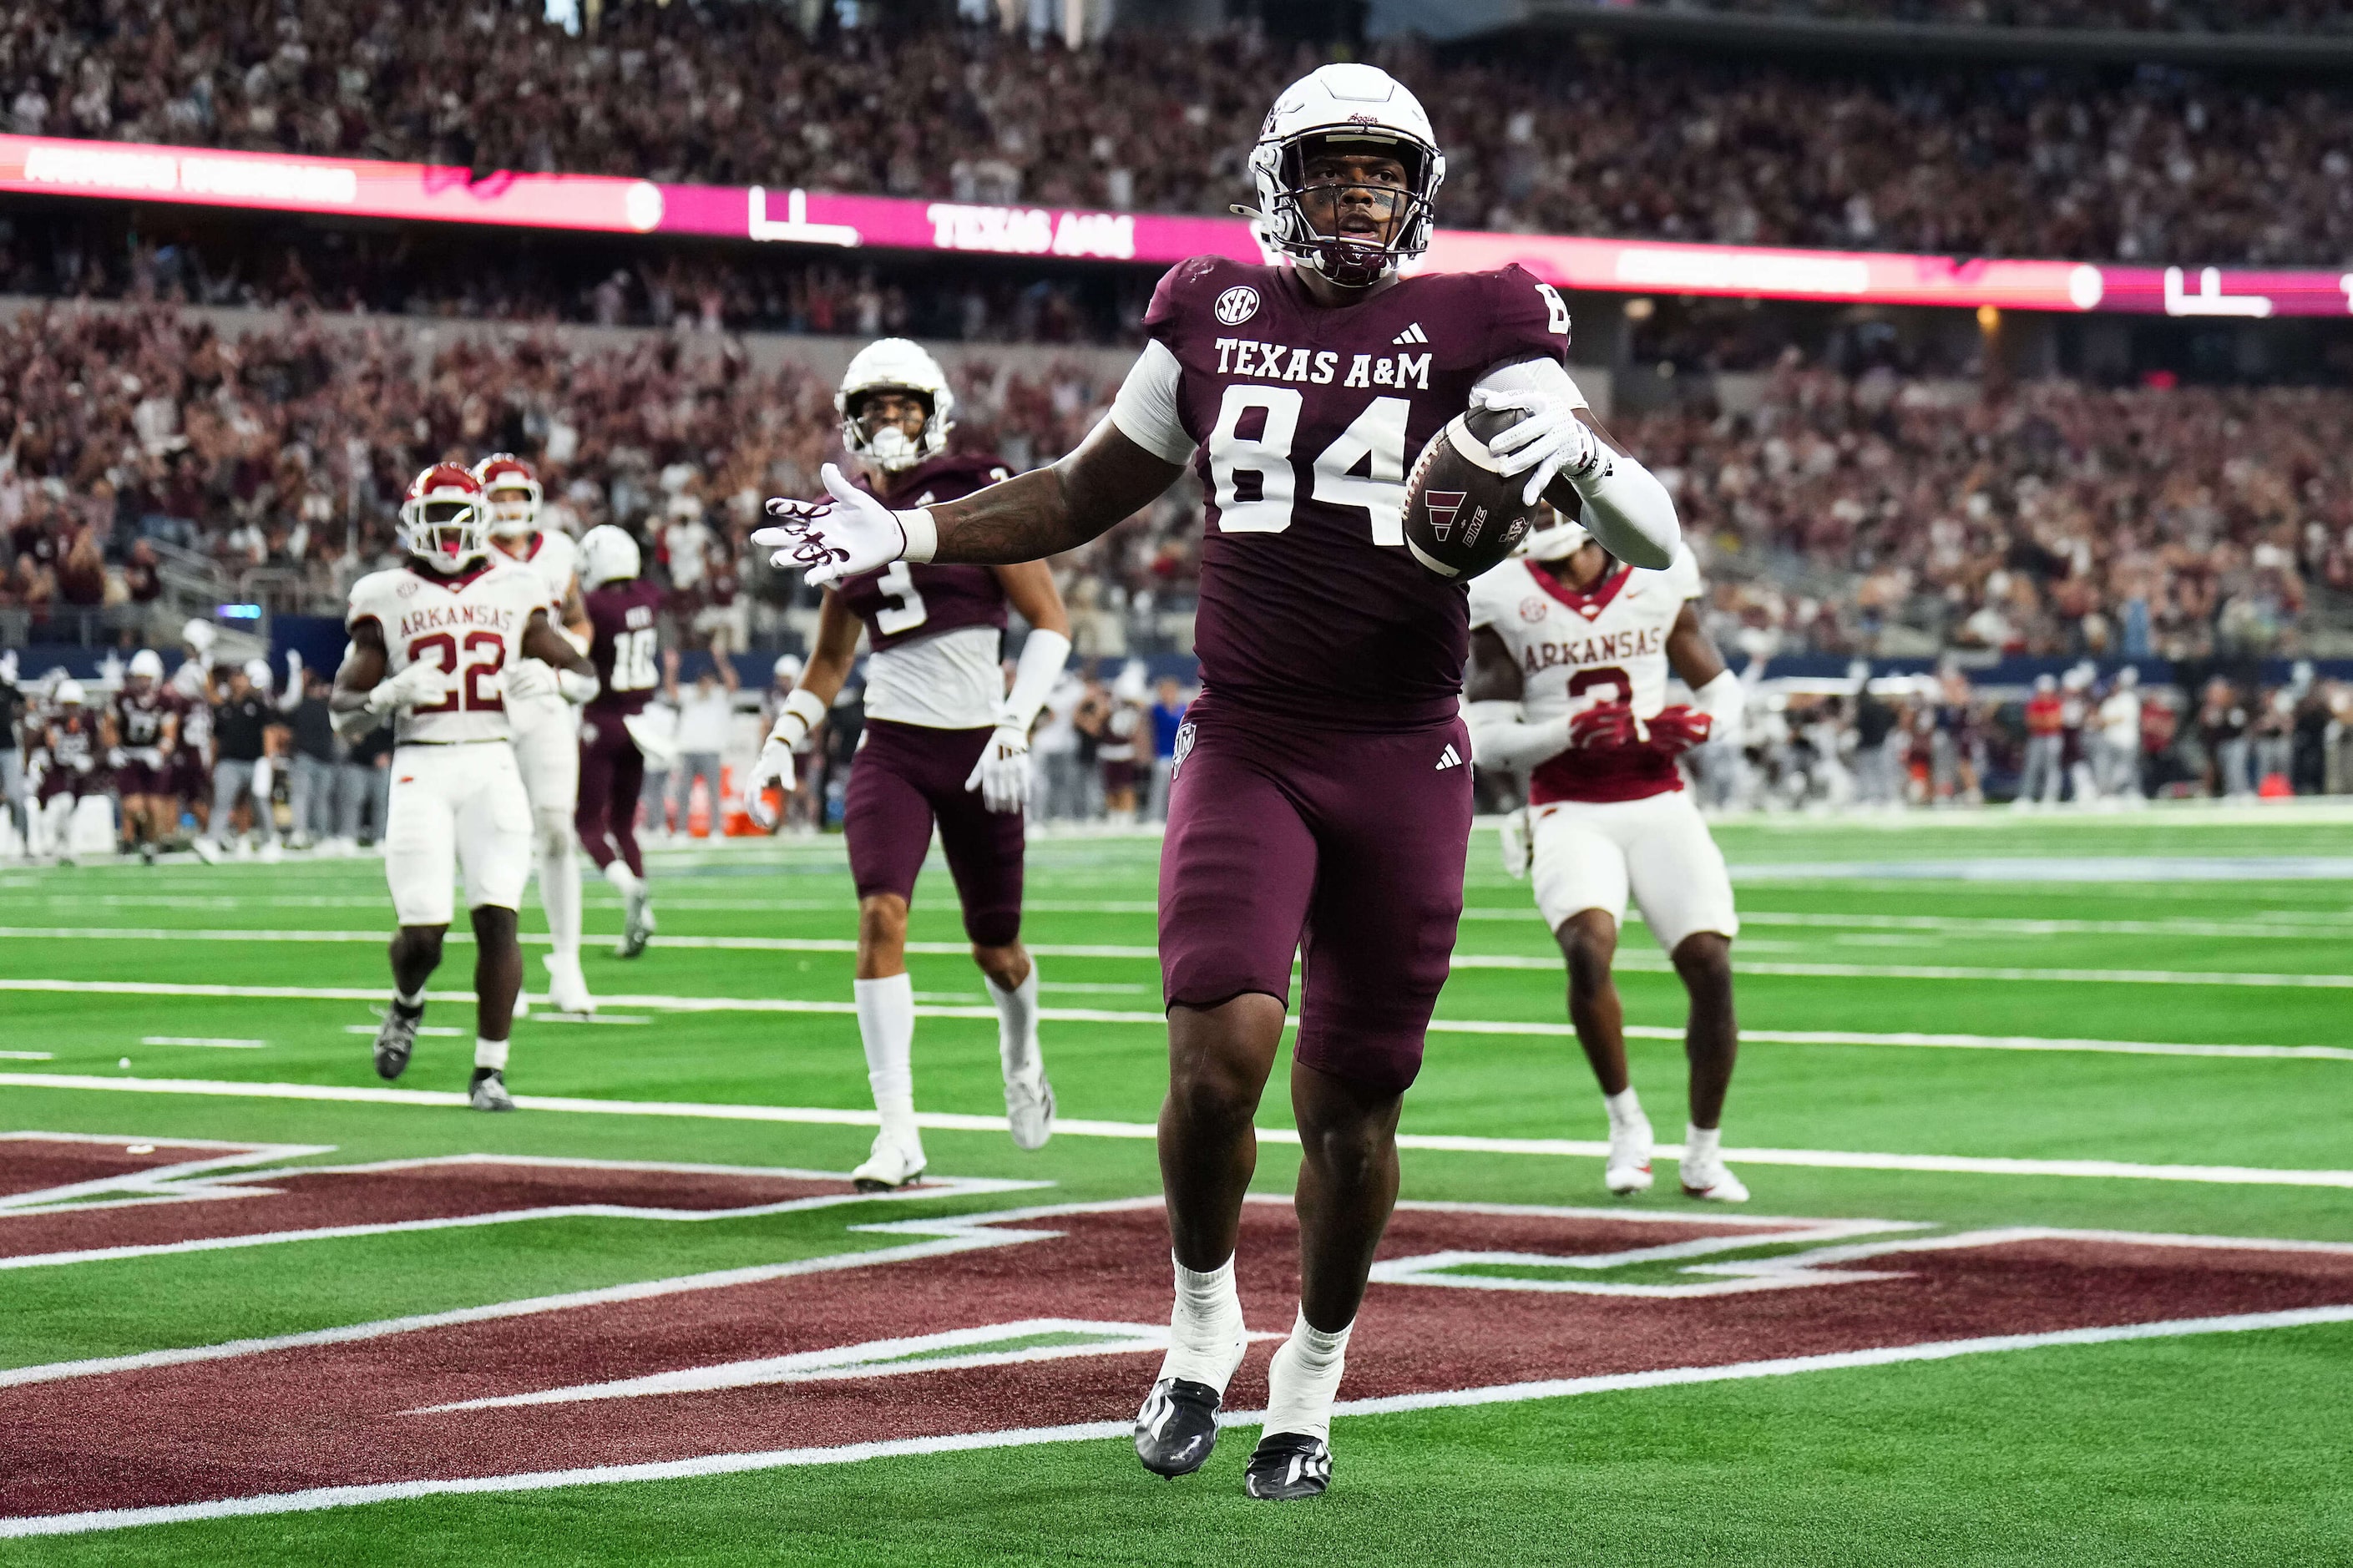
x,y
1026,518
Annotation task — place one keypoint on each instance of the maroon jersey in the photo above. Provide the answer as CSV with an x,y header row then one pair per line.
x,y
73,740
908,601
138,718
625,644
1305,421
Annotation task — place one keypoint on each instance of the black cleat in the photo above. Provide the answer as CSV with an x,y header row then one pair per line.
x,y
1176,1428
1287,1465
488,1091
396,1039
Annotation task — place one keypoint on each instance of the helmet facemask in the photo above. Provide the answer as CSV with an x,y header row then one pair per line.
x,y
1320,223
512,507
448,532
884,442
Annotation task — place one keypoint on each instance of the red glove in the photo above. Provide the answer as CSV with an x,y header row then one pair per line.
x,y
1602,727
1677,730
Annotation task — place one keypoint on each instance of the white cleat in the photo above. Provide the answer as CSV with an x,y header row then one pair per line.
x,y
567,988
207,850
1712,1181
1629,1168
895,1160
1030,1112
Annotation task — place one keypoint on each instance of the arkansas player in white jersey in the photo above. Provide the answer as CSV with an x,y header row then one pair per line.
x,y
546,729
442,643
1569,655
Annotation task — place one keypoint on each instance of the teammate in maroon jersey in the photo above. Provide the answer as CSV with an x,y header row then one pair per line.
x,y
625,645
70,764
1321,796
944,743
147,727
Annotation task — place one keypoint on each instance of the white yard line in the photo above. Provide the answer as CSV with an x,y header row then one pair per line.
x,y
1639,960
1826,1159
786,1005
1508,1394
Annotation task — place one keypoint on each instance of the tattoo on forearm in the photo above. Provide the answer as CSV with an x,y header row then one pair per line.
x,y
1024,518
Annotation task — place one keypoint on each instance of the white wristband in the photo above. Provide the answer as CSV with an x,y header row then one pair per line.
x,y
803,711
923,534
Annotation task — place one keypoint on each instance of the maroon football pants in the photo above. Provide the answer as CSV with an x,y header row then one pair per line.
x,y
612,772
1345,846
903,778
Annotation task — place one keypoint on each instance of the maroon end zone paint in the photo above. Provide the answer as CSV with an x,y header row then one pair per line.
x,y
349,1413
240,1203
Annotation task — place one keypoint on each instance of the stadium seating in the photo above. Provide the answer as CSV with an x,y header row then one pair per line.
x,y
2151,166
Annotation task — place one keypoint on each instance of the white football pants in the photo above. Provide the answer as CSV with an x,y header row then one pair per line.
x,y
547,753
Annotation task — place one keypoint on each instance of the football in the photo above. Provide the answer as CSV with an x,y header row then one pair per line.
x,y
1462,516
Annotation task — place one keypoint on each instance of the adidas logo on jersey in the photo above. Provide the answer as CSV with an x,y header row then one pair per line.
x,y
1412,334
1449,758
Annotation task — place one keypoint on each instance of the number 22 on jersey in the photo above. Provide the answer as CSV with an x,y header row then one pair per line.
x,y
475,691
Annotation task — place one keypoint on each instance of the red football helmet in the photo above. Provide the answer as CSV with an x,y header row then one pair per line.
x,y
510,494
442,520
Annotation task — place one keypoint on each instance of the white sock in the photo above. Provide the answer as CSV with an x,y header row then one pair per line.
x,y
1016,1028
624,881
1625,1111
491,1054
559,890
1206,1326
1702,1143
412,1000
886,1027
1304,1377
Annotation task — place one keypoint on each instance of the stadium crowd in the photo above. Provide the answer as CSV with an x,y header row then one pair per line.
x,y
2294,16
1836,513
2158,165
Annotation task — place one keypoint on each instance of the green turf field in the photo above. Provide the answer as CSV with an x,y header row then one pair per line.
x,y
2125,1024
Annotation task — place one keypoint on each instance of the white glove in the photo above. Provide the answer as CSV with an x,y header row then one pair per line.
x,y
830,540
1517,842
528,679
84,762
1002,774
116,757
294,669
775,766
576,686
8,668
1550,441
421,685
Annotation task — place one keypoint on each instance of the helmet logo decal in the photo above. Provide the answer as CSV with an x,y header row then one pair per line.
x,y
1236,305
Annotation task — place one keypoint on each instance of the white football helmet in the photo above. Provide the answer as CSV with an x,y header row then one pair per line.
x,y
511,495
198,637
608,554
788,668
441,518
68,693
1345,107
146,665
895,365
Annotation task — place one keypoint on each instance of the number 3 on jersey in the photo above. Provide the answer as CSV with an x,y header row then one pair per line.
x,y
469,693
905,611
1261,464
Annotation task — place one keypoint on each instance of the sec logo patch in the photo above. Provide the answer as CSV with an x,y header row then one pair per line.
x,y
1532,609
1236,305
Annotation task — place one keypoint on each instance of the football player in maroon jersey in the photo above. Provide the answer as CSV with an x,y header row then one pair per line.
x,y
945,741
147,727
625,647
1321,798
